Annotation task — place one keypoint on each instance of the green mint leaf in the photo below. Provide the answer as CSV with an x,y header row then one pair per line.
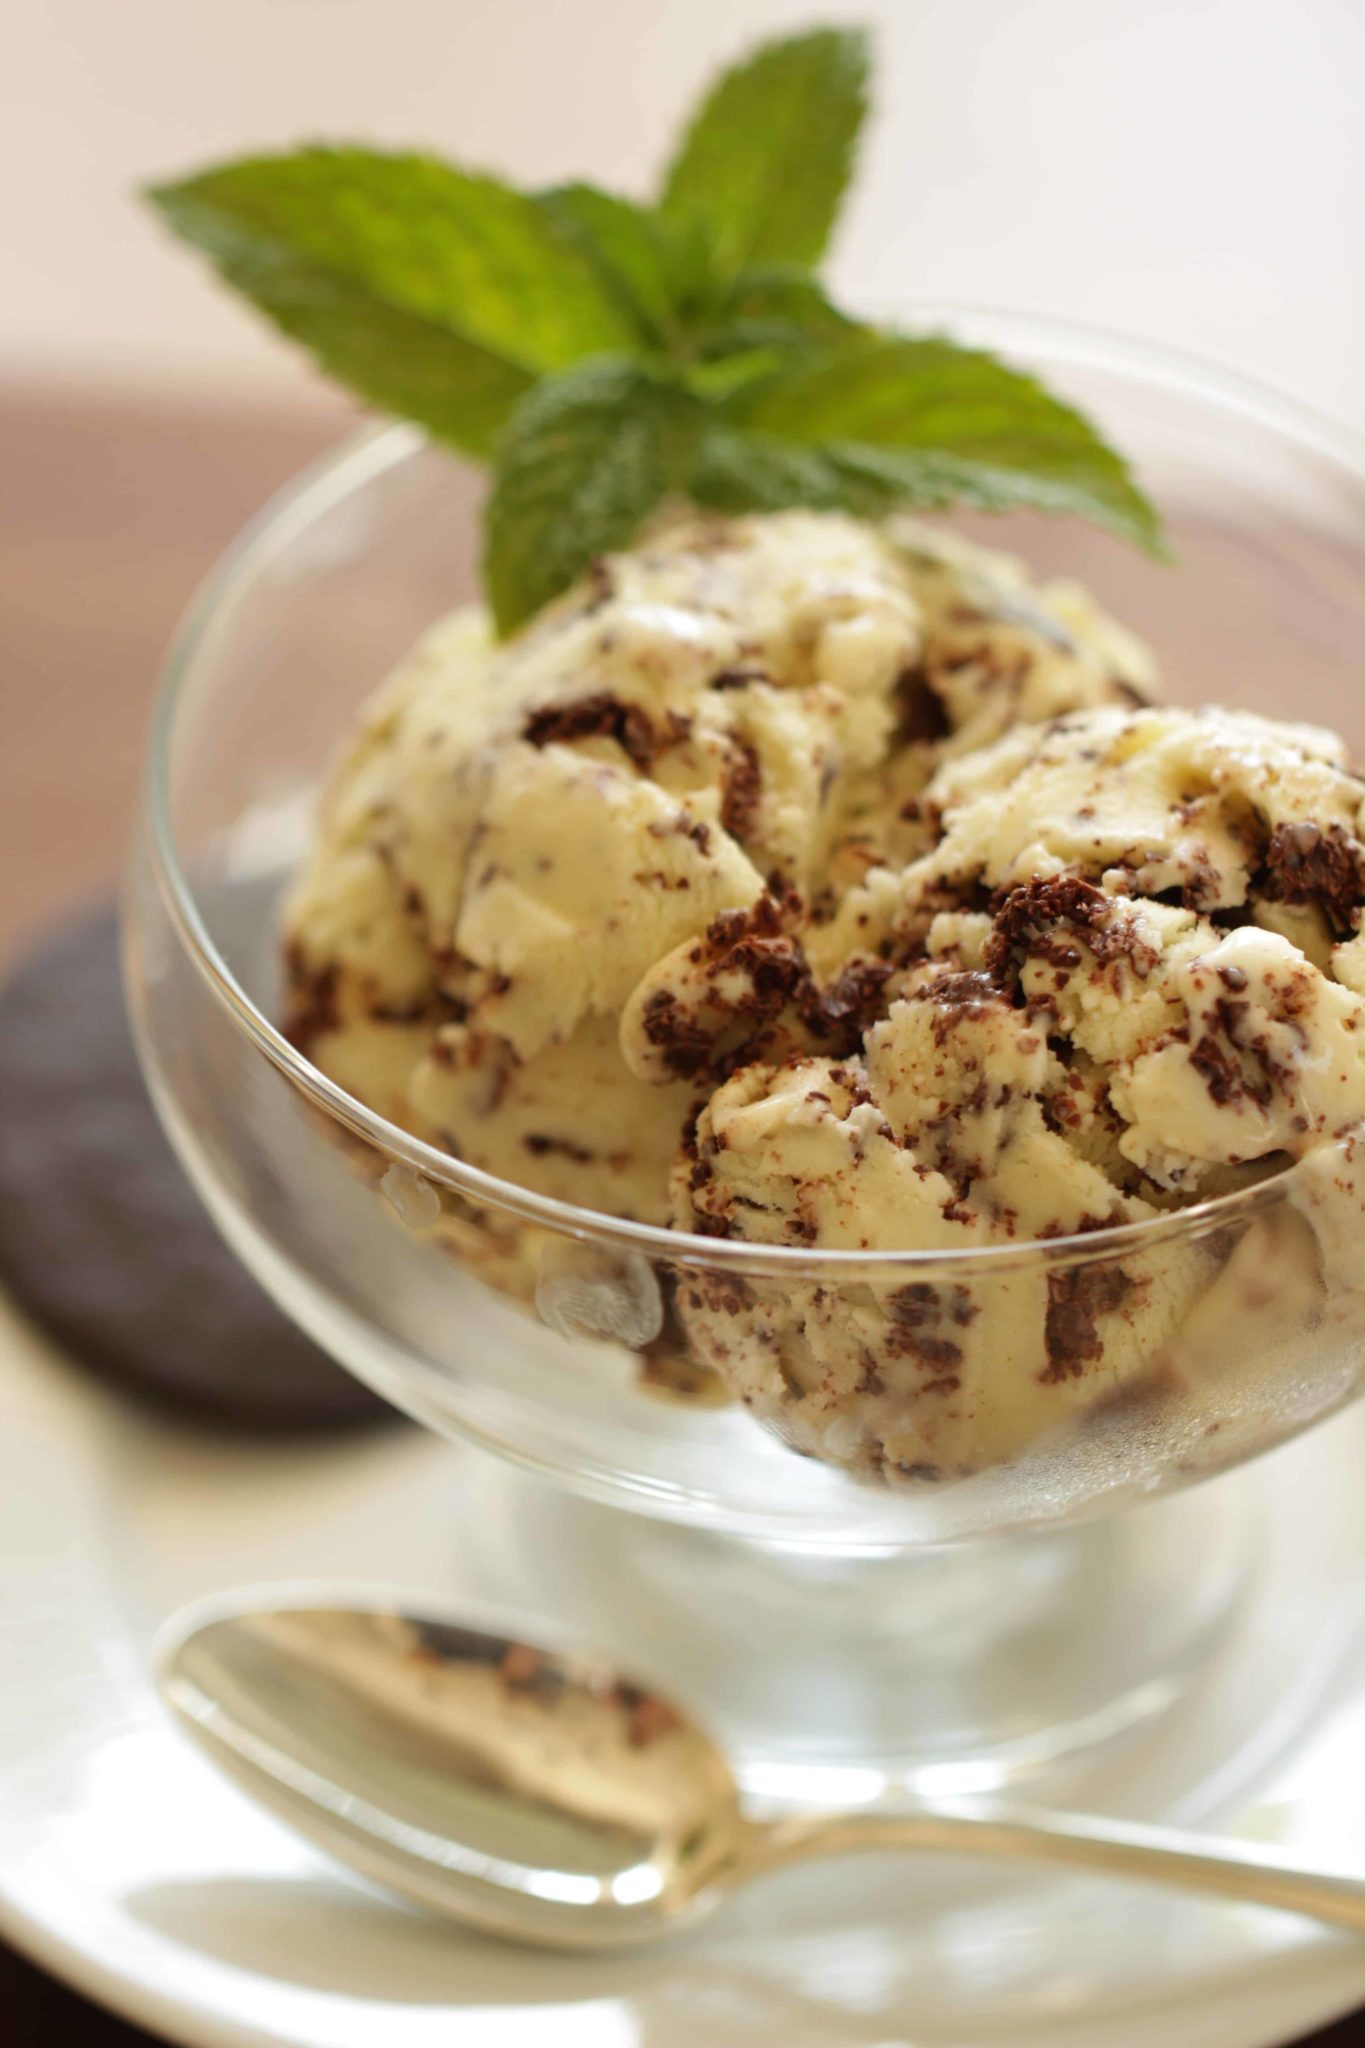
x,y
737,470
629,249
719,378
883,477
783,314
765,161
586,456
787,305
437,294
934,424
766,323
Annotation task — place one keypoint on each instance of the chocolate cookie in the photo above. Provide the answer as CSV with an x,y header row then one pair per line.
x,y
102,1239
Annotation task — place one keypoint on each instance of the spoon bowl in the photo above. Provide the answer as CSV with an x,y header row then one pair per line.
x,y
532,1789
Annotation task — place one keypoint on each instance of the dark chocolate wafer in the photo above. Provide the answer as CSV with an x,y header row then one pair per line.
x,y
103,1241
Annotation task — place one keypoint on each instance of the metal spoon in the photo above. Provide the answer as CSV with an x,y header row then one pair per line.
x,y
539,1793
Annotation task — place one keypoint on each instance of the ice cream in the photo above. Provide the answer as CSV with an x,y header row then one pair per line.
x,y
834,886
521,835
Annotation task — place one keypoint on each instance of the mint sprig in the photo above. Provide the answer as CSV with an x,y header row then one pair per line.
x,y
602,355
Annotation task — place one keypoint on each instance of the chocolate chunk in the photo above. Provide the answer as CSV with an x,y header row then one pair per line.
x,y
919,708
743,790
917,1315
310,1006
102,1239
841,1012
1202,883
870,1380
1027,922
540,1144
1238,1063
764,988
686,826
684,1043
600,715
1218,1070
955,996
1076,1297
1306,863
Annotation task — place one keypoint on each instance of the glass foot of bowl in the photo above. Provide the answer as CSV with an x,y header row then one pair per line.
x,y
842,1680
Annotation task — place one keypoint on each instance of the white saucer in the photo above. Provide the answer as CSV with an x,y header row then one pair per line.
x,y
127,1867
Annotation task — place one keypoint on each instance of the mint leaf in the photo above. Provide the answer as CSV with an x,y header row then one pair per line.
x,y
766,323
436,293
932,423
719,377
765,162
736,470
398,362
780,314
630,250
782,305
585,457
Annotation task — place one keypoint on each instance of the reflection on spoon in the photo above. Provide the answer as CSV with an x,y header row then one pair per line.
x,y
539,1793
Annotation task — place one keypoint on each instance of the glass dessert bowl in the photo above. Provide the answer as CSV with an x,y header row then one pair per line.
x,y
913,1625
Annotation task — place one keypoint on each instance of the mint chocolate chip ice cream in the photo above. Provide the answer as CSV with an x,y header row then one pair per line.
x,y
836,886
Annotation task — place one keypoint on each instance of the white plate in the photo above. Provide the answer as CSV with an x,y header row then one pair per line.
x,y
126,1866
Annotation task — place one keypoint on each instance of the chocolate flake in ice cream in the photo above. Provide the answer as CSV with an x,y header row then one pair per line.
x,y
808,883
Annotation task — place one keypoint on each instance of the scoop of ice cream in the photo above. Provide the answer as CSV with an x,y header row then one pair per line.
x,y
525,840
1072,1061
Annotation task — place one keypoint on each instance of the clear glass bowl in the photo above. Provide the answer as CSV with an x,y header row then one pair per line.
x,y
503,1318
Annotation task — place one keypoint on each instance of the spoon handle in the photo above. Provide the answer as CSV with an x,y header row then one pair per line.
x,y
1121,1848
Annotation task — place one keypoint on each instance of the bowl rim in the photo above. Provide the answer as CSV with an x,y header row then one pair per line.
x,y
370,452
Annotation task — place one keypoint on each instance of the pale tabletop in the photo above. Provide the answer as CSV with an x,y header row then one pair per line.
x,y
110,511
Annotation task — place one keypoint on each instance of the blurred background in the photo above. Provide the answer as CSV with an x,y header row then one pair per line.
x,y
1188,170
